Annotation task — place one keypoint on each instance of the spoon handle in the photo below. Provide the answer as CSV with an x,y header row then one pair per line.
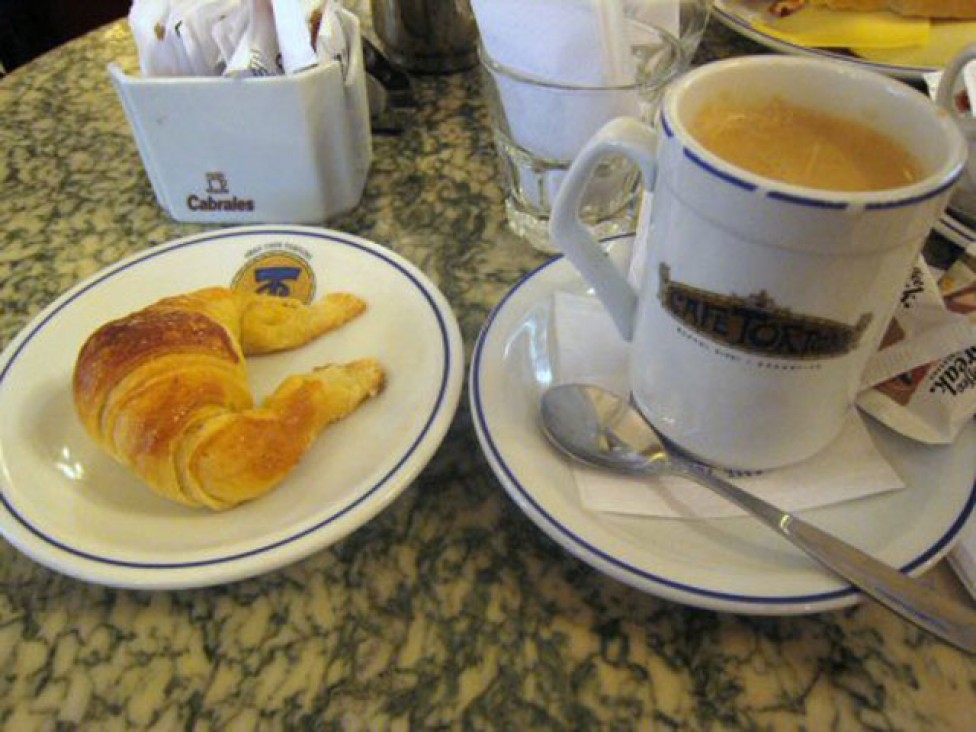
x,y
951,621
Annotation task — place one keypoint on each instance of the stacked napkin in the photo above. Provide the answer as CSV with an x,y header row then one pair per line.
x,y
549,44
573,42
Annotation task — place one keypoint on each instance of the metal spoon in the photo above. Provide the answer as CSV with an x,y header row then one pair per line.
x,y
599,428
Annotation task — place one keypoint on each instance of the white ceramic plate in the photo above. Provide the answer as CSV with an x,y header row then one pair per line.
x,y
68,506
731,564
739,15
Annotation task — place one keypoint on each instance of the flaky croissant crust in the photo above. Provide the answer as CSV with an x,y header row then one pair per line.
x,y
165,391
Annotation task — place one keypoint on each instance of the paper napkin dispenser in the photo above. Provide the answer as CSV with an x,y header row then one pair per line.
x,y
275,149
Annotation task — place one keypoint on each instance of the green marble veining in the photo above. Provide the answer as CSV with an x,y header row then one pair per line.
x,y
450,609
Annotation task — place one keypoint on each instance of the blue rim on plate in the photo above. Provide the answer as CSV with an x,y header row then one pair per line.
x,y
580,546
422,446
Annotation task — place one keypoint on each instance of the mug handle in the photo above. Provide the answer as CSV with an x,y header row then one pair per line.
x,y
625,136
943,95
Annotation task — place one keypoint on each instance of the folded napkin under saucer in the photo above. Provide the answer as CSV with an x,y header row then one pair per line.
x,y
589,350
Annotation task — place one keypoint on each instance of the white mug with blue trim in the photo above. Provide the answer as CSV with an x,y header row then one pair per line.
x,y
759,301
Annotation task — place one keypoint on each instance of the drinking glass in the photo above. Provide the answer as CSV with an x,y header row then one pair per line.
x,y
539,125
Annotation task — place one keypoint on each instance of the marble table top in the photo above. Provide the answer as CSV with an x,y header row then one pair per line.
x,y
450,609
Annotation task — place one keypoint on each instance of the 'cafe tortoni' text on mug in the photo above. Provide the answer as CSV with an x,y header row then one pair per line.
x,y
755,324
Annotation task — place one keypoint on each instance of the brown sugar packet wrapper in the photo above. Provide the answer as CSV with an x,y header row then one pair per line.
x,y
921,330
933,400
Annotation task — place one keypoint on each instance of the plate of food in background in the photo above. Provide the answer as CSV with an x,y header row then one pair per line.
x,y
900,38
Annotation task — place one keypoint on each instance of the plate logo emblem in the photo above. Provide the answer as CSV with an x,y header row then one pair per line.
x,y
755,324
277,269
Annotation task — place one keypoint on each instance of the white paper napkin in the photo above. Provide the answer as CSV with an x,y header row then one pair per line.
x,y
588,349
564,43
577,42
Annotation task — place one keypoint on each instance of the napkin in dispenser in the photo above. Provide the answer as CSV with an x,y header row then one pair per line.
x,y
275,149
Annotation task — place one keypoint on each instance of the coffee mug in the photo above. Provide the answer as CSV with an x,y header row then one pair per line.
x,y
759,302
964,197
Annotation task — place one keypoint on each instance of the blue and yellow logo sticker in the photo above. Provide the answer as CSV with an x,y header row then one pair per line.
x,y
277,269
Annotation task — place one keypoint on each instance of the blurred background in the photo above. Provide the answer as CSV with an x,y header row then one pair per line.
x,y
28,28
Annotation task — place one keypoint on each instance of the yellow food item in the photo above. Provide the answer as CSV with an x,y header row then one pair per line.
x,y
815,27
946,39
164,391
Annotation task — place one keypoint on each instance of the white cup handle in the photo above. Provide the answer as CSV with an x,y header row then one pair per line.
x,y
943,95
622,136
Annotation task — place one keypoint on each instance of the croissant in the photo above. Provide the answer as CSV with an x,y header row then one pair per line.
x,y
164,391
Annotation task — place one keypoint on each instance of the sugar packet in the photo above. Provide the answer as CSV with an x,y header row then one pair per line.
x,y
227,28
257,52
161,51
236,38
303,34
193,21
328,37
922,330
933,399
293,21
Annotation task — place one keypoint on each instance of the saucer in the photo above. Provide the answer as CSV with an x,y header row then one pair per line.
x,y
69,506
956,229
728,564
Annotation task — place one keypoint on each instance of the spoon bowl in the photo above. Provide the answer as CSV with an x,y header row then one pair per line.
x,y
598,428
